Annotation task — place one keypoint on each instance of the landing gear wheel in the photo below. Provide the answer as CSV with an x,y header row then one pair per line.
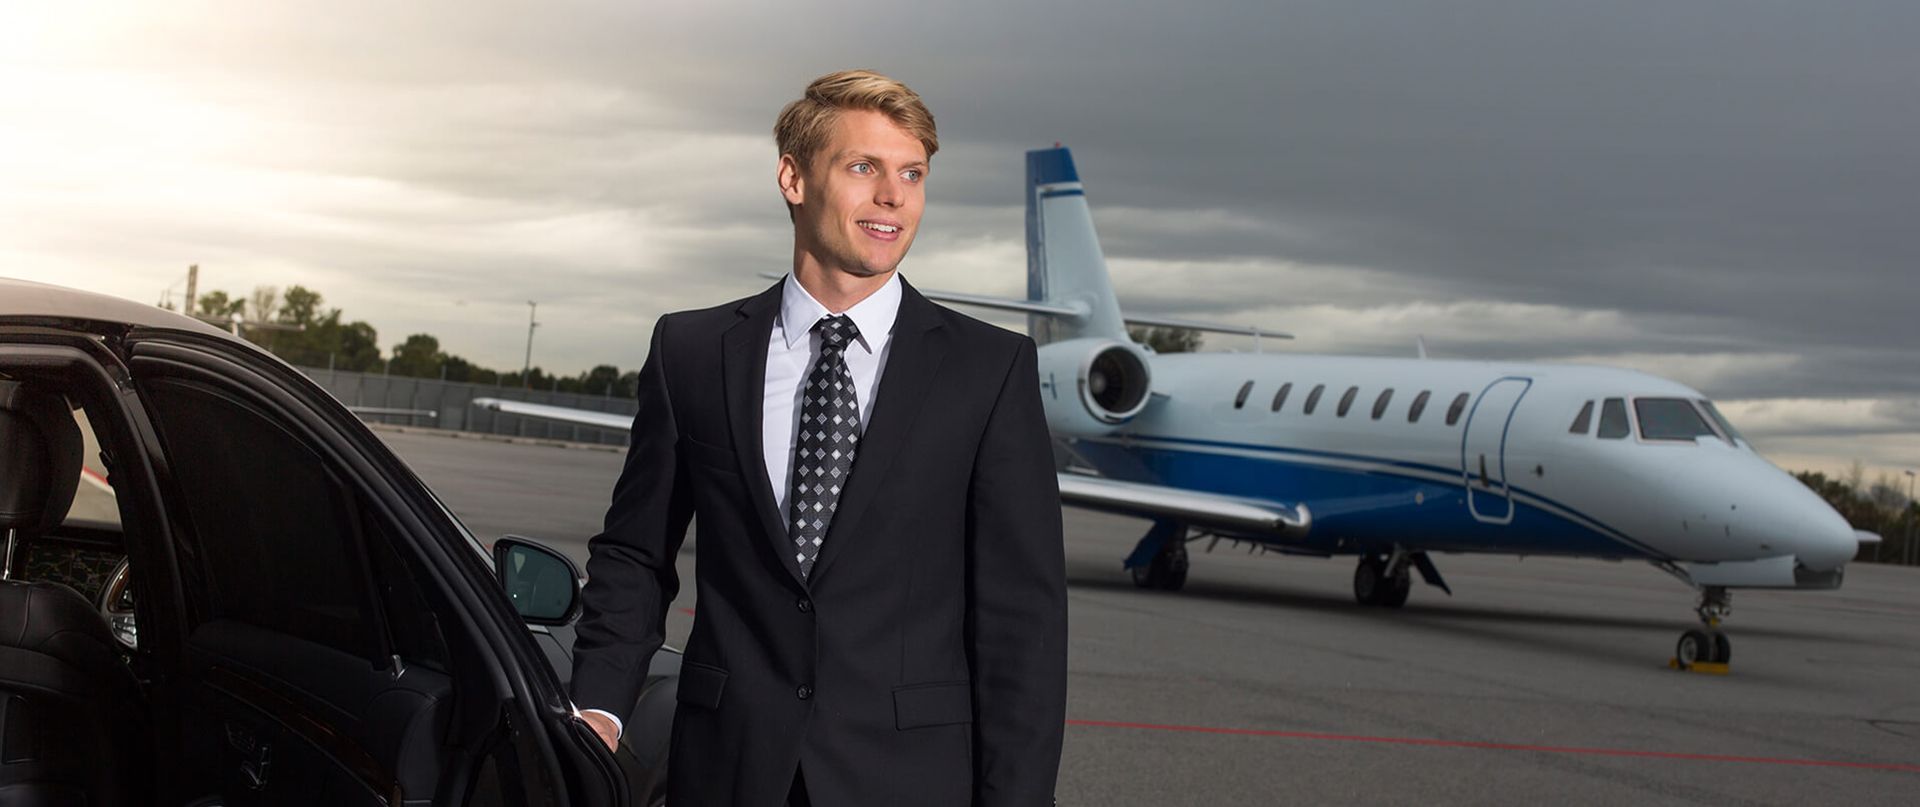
x,y
1695,646
1370,580
1394,593
1706,645
1167,570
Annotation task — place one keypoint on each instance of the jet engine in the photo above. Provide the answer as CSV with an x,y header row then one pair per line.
x,y
1092,386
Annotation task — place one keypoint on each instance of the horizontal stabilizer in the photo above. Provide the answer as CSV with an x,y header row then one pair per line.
x,y
1867,537
1075,313
1209,327
562,414
1192,507
1003,304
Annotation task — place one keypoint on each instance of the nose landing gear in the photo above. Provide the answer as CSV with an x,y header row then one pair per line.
x,y
1706,649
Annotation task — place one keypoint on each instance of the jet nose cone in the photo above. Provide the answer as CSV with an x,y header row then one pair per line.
x,y
1832,547
1821,538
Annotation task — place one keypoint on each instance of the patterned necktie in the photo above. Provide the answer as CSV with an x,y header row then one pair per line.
x,y
829,432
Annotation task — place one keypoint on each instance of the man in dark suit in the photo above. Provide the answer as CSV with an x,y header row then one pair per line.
x,y
881,585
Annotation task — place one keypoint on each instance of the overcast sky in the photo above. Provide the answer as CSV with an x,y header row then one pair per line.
x,y
1724,192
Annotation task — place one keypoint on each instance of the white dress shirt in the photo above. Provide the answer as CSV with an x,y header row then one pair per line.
x,y
792,349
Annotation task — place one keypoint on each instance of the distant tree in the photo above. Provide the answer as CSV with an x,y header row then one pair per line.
x,y
1166,340
1888,492
300,306
325,340
217,305
419,357
461,370
263,304
601,380
1856,478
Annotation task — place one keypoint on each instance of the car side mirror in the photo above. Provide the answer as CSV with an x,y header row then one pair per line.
x,y
542,584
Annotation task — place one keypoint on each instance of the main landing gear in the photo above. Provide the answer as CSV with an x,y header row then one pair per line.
x,y
1385,580
1380,580
1160,559
1706,649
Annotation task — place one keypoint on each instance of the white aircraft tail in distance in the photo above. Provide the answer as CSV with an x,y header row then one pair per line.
x,y
1389,460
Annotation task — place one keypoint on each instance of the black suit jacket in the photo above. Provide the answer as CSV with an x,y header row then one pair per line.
x,y
923,661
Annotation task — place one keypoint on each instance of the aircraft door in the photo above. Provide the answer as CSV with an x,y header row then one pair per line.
x,y
1483,448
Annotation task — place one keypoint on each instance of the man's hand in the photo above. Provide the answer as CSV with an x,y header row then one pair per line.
x,y
603,726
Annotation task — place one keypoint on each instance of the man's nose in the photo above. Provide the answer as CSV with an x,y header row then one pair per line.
x,y
888,192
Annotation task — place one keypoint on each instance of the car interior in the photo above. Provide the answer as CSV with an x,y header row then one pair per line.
x,y
70,707
224,614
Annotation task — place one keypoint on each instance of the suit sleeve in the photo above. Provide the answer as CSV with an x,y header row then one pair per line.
x,y
1017,598
631,579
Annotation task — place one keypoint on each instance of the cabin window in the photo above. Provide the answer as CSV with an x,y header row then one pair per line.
x,y
1419,406
1280,398
1240,400
1613,419
1313,398
1454,409
1346,401
1582,421
1380,403
1670,419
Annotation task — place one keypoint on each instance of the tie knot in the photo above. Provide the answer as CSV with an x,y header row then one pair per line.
x,y
836,331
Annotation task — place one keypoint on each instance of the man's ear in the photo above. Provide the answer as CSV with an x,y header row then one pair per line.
x,y
792,185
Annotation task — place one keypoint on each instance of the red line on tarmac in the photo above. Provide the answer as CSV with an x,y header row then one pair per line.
x,y
1485,746
96,477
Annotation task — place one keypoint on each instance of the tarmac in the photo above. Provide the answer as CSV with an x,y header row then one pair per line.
x,y
1542,680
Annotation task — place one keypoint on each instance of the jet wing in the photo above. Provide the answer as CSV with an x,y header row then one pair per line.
x,y
562,414
1199,509
1196,508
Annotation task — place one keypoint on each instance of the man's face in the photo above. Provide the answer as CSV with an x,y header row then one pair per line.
x,y
857,206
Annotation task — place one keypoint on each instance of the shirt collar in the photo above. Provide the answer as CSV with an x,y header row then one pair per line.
x,y
873,315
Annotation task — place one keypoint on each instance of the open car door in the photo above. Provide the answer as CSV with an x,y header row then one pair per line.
x,y
344,642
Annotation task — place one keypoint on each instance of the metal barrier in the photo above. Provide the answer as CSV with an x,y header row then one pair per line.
x,y
433,403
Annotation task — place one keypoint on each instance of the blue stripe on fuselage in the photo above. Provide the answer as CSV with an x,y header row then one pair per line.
x,y
1390,502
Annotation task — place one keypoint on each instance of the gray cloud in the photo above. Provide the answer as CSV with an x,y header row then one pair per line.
x,y
1721,191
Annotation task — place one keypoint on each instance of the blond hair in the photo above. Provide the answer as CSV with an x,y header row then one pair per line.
x,y
803,125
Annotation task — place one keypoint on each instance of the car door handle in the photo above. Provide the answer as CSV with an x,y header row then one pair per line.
x,y
255,756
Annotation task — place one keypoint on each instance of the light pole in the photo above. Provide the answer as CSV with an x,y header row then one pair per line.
x,y
526,369
1909,546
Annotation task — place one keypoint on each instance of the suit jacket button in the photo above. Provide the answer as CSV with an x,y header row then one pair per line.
x,y
805,605
804,692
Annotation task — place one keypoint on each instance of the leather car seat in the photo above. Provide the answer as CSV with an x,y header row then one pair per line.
x,y
71,720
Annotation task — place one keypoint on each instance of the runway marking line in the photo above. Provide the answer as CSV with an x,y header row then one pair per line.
x,y
1489,746
94,477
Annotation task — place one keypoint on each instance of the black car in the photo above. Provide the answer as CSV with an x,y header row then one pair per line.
x,y
254,601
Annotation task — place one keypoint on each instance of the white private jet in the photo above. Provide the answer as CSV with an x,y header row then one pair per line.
x,y
1387,459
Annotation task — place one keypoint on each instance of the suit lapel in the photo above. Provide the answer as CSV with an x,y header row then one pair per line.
x,y
743,357
919,343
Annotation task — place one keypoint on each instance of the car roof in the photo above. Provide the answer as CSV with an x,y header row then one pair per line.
x,y
27,299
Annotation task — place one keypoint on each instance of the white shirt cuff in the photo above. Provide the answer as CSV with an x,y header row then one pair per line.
x,y
618,728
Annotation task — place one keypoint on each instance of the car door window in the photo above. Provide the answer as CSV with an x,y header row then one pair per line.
x,y
276,534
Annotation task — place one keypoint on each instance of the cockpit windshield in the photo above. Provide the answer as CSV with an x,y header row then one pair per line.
x,y
1726,427
1670,419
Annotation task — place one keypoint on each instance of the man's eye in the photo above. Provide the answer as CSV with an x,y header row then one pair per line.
x,y
862,168
913,175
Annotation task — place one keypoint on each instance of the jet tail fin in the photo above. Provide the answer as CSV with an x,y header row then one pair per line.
x,y
1064,261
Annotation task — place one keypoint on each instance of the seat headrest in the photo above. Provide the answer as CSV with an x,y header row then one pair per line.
x,y
40,454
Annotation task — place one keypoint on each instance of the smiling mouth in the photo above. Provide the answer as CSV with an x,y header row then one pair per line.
x,y
880,228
